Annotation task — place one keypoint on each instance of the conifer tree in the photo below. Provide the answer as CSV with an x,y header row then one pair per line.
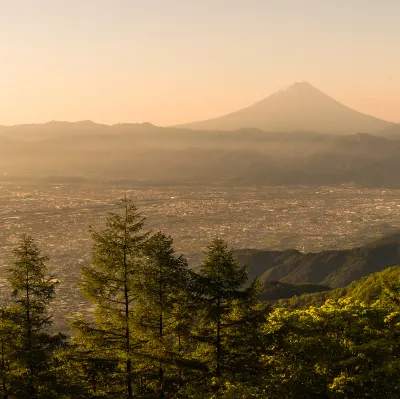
x,y
163,282
82,371
244,338
110,282
32,291
9,343
220,287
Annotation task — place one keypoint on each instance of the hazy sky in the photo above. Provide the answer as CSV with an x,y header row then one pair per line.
x,y
175,61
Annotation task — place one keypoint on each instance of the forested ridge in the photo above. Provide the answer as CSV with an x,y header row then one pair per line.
x,y
332,268
146,153
162,330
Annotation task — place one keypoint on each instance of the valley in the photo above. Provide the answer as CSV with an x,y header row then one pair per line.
x,y
308,219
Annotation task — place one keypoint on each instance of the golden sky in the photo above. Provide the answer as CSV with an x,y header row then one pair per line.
x,y
176,61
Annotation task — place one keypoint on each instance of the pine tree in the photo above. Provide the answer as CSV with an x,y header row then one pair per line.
x,y
82,371
220,287
9,343
109,282
244,339
162,286
32,291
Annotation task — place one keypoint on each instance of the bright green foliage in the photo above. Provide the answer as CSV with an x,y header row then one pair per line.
x,y
32,292
239,391
343,349
383,287
161,330
110,283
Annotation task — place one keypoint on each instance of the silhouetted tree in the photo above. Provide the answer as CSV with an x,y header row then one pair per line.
x,y
32,292
162,285
110,283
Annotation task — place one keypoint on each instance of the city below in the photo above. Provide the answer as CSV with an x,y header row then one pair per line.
x,y
309,219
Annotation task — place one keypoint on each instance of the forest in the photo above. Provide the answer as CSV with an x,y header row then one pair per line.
x,y
162,330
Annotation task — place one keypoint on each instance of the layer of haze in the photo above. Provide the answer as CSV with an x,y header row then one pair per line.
x,y
176,61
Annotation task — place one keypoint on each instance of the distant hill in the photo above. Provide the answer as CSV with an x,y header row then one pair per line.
x,y
332,269
148,153
381,286
275,290
391,132
300,107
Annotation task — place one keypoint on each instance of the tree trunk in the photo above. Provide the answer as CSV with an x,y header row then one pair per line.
x,y
3,372
30,387
161,332
218,341
127,329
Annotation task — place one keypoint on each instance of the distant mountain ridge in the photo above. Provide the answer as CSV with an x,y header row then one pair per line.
x,y
300,107
144,152
382,286
332,268
56,129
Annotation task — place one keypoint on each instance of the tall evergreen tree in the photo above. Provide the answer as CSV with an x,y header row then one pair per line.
x,y
82,371
244,338
32,291
163,283
110,282
9,344
220,287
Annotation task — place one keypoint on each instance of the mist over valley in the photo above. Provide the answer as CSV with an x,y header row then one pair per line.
x,y
367,156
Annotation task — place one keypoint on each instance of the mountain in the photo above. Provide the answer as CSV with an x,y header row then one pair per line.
x,y
332,269
391,132
276,290
381,286
300,107
52,129
144,152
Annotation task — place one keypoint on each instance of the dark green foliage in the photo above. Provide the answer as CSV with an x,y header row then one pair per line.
x,y
244,339
163,331
10,343
275,290
219,285
27,319
328,268
162,316
110,283
227,331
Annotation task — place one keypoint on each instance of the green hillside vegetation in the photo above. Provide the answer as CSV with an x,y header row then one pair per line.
x,y
332,269
161,330
382,287
275,290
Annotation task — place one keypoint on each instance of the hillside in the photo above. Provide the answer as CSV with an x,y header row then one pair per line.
x,y
149,153
300,107
381,286
392,131
275,290
332,269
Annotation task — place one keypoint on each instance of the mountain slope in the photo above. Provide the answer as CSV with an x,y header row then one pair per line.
x,y
328,268
382,286
300,107
277,290
391,132
246,157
